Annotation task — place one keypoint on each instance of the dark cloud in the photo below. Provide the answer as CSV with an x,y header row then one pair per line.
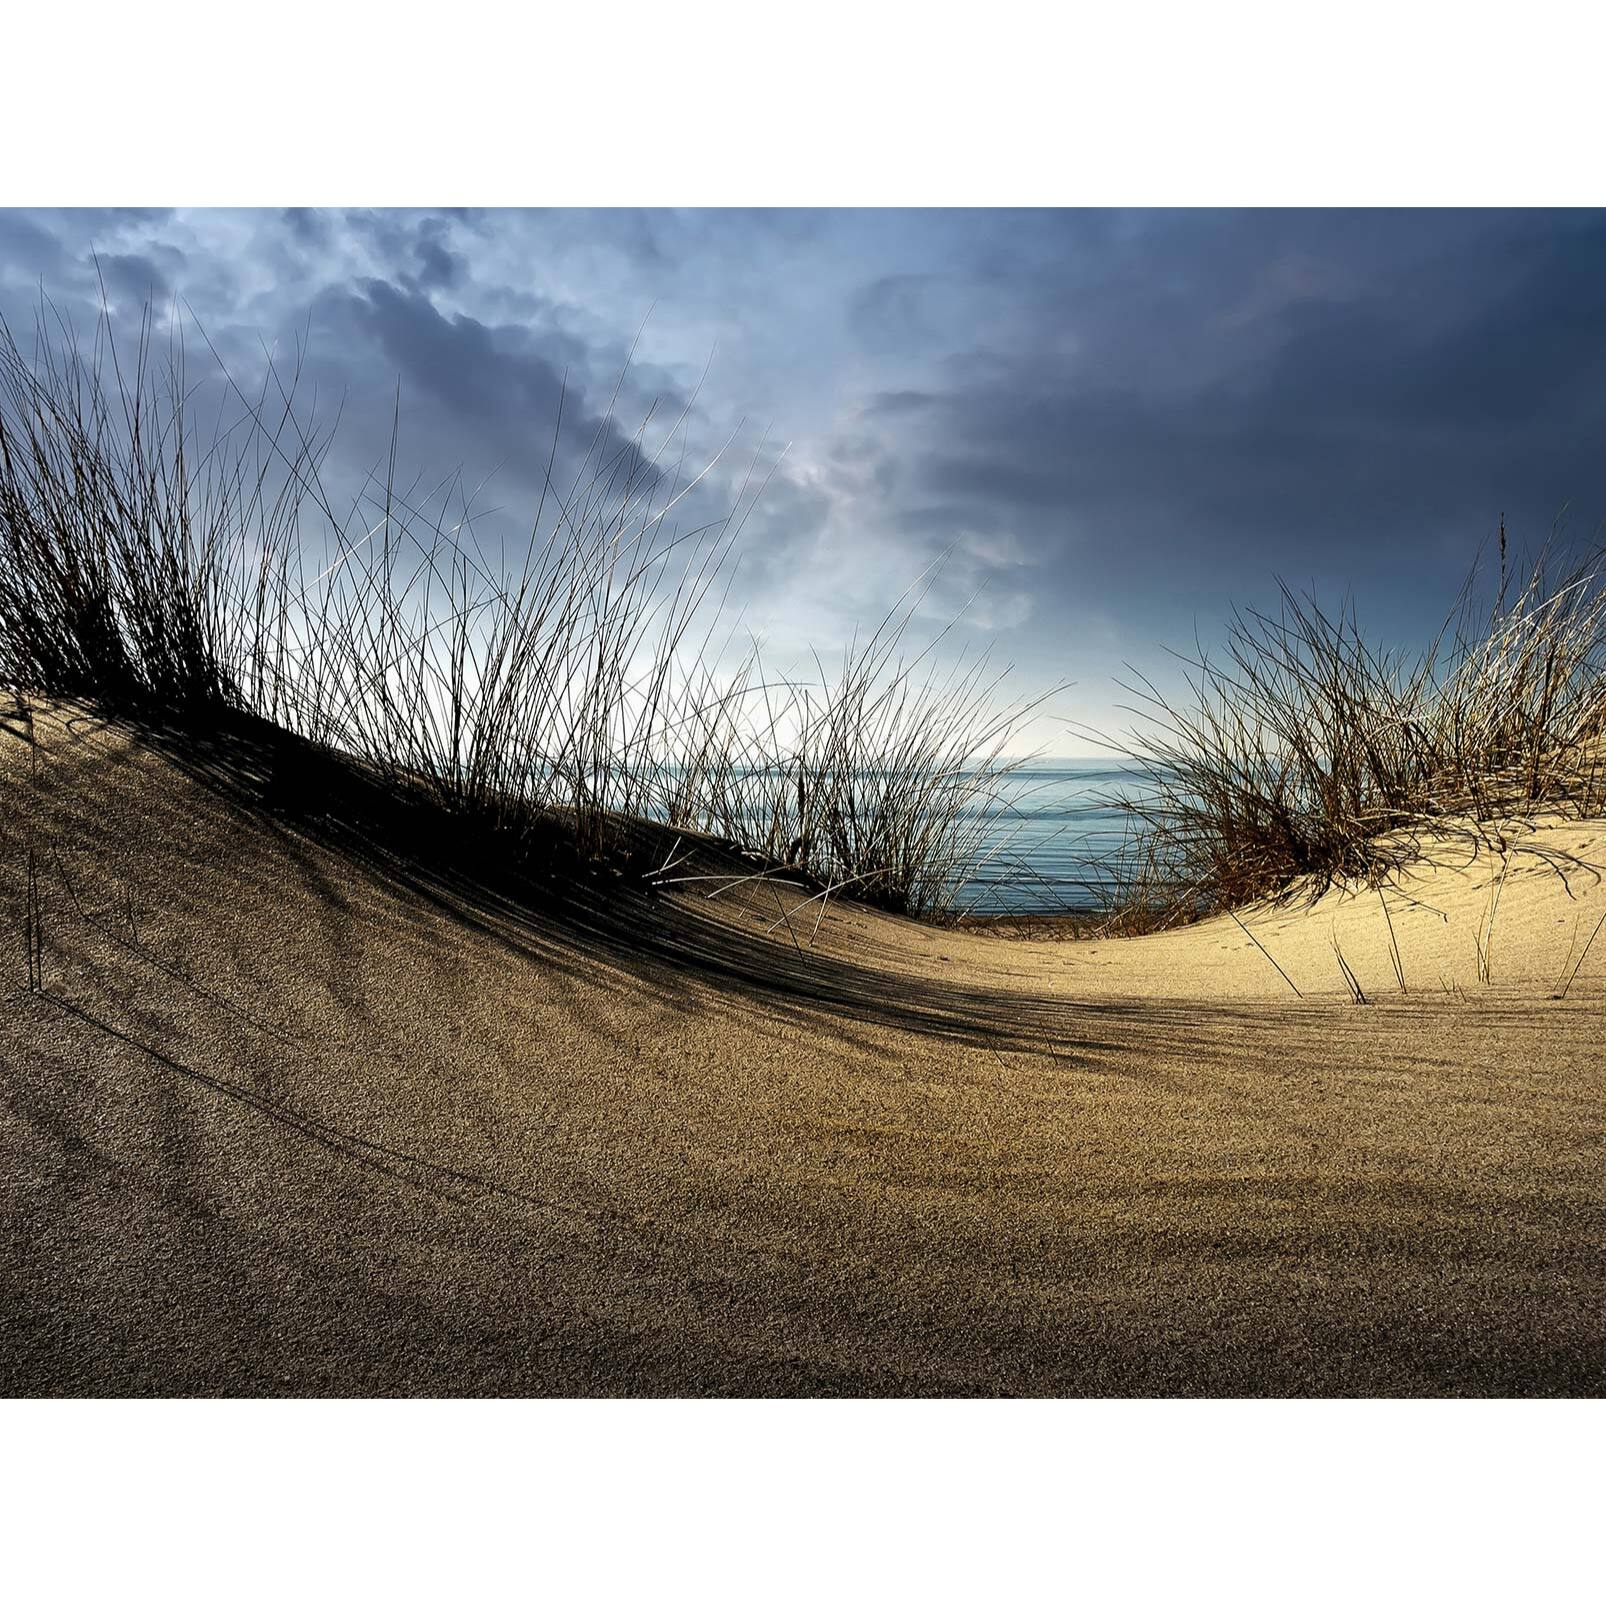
x,y
136,278
1233,406
1120,422
491,399
307,224
414,250
889,313
438,268
28,250
475,371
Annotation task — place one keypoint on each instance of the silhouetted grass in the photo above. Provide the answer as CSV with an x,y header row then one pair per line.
x,y
162,559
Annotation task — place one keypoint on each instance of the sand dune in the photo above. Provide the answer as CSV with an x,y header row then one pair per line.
x,y
302,1108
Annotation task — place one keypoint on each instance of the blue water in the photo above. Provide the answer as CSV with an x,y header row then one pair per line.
x,y
1050,841
1051,830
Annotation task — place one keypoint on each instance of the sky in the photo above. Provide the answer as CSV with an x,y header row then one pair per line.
x,y
1111,426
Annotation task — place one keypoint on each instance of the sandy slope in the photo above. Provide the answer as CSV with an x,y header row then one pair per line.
x,y
297,1116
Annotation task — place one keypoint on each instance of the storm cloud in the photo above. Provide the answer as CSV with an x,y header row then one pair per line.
x,y
1115,425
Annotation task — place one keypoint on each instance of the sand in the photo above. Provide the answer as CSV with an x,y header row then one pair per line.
x,y
297,1113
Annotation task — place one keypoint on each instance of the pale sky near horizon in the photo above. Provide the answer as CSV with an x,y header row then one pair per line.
x,y
1118,424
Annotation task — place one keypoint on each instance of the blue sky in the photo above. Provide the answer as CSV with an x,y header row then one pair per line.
x,y
1118,424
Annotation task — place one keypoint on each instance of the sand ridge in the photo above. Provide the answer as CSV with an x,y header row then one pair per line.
x,y
295,1115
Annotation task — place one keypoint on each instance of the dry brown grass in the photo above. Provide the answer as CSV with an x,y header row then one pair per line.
x,y
1306,753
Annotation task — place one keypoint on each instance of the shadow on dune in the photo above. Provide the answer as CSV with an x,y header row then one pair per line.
x,y
602,922
537,896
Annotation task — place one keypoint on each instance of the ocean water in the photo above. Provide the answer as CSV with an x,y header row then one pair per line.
x,y
1050,831
1048,843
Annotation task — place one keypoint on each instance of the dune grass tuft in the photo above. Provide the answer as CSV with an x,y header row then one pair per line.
x,y
1306,754
180,562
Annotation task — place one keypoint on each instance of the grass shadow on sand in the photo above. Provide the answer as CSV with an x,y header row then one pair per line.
x,y
541,899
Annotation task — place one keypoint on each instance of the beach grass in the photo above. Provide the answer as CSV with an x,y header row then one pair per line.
x,y
1303,753
179,562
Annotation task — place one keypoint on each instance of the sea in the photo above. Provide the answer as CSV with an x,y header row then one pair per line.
x,y
1047,832
1047,850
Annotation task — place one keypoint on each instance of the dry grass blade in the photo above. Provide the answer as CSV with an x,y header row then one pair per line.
x,y
1573,975
1262,947
1483,938
1351,981
1394,942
